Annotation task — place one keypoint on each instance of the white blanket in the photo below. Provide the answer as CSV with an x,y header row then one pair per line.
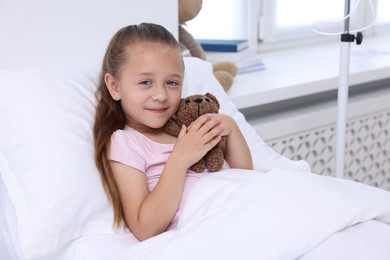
x,y
282,214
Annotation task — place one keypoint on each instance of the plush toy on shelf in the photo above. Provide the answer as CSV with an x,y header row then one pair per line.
x,y
224,71
190,108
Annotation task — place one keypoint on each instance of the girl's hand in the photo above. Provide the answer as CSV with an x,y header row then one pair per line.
x,y
227,123
196,140
236,150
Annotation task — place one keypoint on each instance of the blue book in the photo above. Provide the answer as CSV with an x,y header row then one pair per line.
x,y
223,45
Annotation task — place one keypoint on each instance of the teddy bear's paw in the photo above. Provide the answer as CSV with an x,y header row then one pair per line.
x,y
172,128
198,167
214,159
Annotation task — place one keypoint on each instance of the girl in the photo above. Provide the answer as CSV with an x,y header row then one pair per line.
x,y
145,171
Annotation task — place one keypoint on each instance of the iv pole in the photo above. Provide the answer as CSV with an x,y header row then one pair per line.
x,y
342,96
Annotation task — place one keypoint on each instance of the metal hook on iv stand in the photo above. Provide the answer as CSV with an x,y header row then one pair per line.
x,y
342,95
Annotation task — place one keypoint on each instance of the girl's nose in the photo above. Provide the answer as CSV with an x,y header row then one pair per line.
x,y
160,94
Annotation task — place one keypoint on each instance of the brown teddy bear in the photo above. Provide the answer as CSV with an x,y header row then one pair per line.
x,y
224,71
190,108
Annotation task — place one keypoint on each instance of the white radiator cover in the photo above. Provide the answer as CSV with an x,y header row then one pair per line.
x,y
309,133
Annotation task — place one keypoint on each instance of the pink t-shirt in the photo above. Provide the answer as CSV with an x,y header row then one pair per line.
x,y
133,149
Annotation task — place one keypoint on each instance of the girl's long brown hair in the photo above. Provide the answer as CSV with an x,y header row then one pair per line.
x,y
109,113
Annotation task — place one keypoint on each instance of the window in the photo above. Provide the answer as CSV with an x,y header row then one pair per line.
x,y
303,12
283,20
298,18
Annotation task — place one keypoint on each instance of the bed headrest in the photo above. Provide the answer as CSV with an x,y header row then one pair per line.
x,y
42,32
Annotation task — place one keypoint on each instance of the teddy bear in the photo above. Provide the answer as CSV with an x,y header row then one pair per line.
x,y
190,108
224,71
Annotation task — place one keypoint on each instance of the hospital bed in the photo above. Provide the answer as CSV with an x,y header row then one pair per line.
x,y
53,206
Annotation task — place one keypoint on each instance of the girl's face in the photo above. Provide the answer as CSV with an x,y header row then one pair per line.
x,y
149,85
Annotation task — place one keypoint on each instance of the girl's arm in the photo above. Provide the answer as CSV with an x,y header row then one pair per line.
x,y
237,153
149,213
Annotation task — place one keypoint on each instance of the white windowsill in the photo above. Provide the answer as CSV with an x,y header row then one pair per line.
x,y
302,71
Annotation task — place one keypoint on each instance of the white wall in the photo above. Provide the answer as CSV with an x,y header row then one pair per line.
x,y
71,31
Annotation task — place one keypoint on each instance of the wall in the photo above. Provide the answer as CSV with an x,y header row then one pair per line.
x,y
71,31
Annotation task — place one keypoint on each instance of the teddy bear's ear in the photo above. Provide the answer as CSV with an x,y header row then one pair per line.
x,y
213,98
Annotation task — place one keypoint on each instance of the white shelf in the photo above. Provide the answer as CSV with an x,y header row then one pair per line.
x,y
298,72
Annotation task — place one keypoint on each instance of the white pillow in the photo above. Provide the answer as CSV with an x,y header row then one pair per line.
x,y
46,120
45,136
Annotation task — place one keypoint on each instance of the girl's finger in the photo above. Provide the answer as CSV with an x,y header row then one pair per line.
x,y
199,122
213,142
213,133
183,131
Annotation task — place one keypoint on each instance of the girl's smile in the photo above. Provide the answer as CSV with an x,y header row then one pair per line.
x,y
157,110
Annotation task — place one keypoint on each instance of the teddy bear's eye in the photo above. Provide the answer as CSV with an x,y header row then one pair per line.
x,y
208,100
188,101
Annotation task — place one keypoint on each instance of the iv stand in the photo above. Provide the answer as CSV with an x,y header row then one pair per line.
x,y
342,96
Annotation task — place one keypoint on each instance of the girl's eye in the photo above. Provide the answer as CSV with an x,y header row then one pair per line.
x,y
172,83
146,82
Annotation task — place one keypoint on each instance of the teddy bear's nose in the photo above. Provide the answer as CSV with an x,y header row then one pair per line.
x,y
198,100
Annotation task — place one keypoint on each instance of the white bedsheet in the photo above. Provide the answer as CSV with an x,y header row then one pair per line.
x,y
283,214
365,241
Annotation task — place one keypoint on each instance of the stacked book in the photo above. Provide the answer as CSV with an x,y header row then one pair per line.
x,y
237,51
